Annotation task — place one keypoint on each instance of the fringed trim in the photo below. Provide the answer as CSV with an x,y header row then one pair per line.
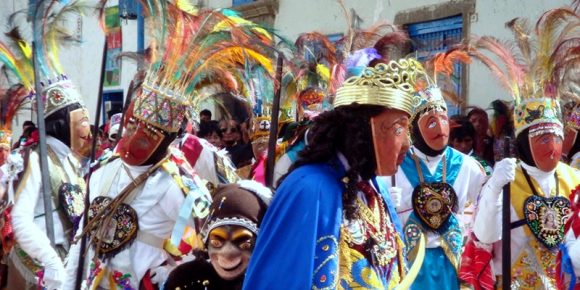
x,y
344,259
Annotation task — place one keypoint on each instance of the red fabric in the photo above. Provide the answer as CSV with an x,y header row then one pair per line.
x,y
146,283
7,233
259,171
191,148
475,269
33,139
574,221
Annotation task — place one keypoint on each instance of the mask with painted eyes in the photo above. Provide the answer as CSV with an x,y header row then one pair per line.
x,y
80,132
139,142
390,131
229,248
434,128
546,151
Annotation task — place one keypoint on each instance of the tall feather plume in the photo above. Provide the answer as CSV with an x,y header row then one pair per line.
x,y
515,72
207,46
315,55
548,30
441,67
386,44
494,68
521,31
50,34
364,38
13,99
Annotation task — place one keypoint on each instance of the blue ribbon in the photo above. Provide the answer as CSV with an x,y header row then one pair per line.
x,y
567,267
453,160
384,191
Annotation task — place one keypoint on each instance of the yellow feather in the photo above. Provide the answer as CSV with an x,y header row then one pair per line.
x,y
25,48
186,6
238,21
323,71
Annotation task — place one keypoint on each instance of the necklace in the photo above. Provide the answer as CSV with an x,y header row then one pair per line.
x,y
382,244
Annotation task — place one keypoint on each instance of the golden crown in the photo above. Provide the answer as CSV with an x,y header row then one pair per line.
x,y
389,85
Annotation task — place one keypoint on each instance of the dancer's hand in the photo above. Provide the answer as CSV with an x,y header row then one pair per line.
x,y
160,274
54,275
396,194
503,173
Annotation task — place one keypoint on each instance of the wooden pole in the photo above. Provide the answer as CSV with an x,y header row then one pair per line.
x,y
271,159
81,264
506,229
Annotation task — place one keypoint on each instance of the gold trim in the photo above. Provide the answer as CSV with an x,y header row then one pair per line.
x,y
390,85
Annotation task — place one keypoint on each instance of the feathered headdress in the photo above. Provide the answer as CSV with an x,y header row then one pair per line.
x,y
310,72
49,34
11,101
437,84
535,74
360,48
195,46
18,61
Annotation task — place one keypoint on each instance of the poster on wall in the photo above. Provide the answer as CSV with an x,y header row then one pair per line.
x,y
114,47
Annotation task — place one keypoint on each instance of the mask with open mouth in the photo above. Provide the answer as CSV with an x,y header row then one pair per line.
x,y
229,249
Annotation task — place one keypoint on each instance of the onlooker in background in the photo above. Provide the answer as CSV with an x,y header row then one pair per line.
x,y
27,128
462,135
462,138
205,116
483,143
231,132
502,127
211,132
241,153
103,141
115,124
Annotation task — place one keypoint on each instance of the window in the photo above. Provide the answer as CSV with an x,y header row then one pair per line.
x,y
112,103
436,36
241,2
128,9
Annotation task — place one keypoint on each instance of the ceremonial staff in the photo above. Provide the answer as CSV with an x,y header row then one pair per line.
x,y
80,267
43,158
270,161
506,228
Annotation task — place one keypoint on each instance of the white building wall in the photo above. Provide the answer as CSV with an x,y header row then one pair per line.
x,y
327,17
82,63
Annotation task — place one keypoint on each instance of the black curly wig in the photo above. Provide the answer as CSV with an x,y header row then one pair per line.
x,y
346,130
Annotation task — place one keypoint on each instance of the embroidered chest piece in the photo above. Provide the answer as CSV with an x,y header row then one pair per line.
x,y
434,202
118,229
546,216
71,197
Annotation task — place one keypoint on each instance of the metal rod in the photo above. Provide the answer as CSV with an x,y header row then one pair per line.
x,y
81,264
42,148
43,151
271,159
506,229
